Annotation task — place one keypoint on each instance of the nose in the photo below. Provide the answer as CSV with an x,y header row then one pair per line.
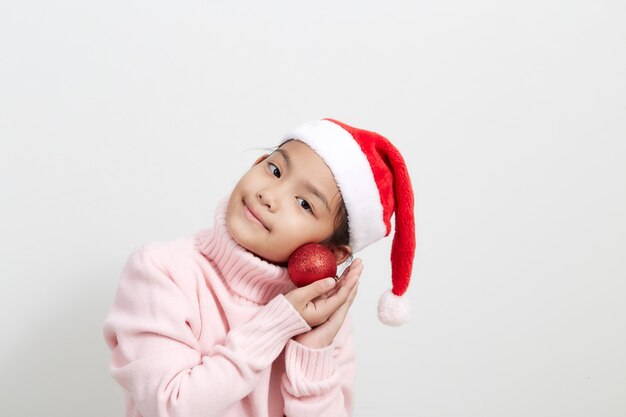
x,y
268,198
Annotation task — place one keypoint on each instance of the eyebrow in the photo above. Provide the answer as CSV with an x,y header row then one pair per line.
x,y
310,187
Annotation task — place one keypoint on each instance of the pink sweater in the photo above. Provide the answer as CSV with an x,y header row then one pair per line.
x,y
200,327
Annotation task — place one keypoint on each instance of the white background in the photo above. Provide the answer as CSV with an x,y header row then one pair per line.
x,y
123,122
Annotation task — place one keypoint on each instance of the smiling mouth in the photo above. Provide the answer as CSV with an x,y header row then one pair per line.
x,y
252,218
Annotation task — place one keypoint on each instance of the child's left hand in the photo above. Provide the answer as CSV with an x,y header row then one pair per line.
x,y
323,335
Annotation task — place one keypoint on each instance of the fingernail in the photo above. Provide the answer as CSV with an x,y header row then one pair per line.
x,y
329,282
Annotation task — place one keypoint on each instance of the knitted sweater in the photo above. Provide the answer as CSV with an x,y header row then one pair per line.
x,y
200,327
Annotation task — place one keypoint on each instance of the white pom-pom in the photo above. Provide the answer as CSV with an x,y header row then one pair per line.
x,y
393,310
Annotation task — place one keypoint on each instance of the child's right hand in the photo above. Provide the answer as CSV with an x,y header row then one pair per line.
x,y
316,302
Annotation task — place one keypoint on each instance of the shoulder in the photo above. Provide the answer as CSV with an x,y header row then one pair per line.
x,y
168,252
175,259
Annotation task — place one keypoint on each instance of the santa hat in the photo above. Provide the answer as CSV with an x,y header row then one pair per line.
x,y
374,183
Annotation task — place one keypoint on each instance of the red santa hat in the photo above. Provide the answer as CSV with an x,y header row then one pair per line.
x,y
374,183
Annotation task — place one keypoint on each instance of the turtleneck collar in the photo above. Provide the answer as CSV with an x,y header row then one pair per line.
x,y
246,274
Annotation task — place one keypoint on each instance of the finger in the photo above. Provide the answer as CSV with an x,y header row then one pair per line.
x,y
319,309
325,307
314,290
338,317
345,306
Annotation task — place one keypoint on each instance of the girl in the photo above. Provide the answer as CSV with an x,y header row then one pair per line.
x,y
211,325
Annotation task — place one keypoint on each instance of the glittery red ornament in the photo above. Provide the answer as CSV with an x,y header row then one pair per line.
x,y
311,262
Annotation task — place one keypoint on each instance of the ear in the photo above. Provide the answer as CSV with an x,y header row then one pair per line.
x,y
341,252
261,159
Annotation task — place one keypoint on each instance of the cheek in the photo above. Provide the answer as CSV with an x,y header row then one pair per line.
x,y
300,230
291,227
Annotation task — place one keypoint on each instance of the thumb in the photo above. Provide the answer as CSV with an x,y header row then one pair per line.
x,y
317,288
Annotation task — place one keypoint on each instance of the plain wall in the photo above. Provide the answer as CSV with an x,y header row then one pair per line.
x,y
124,122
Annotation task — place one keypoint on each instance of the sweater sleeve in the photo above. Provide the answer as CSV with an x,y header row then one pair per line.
x,y
320,382
157,358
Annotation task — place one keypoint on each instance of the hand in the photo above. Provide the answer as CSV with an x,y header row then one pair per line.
x,y
322,335
316,302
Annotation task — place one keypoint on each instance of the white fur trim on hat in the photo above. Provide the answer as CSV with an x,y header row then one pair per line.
x,y
393,310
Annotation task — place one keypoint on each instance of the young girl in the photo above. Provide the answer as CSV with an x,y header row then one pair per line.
x,y
211,325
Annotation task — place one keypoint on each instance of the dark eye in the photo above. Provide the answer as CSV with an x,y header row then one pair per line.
x,y
274,170
305,204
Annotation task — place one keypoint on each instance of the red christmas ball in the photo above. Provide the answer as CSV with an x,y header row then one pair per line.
x,y
311,262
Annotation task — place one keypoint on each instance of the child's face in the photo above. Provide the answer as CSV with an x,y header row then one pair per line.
x,y
285,200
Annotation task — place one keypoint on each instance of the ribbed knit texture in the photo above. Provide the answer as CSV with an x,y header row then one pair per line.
x,y
312,370
200,327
